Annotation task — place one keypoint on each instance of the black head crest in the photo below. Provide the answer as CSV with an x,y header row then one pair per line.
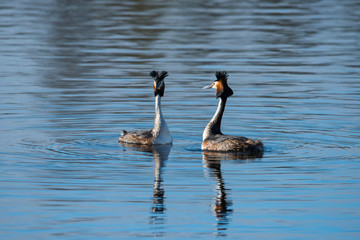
x,y
154,73
159,85
223,90
159,76
163,75
221,75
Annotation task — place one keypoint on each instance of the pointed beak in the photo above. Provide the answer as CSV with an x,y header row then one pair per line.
x,y
209,86
158,85
159,88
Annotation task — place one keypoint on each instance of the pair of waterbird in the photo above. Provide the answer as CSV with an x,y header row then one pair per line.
x,y
213,138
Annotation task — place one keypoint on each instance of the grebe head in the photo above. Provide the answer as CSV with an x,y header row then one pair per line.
x,y
220,84
159,82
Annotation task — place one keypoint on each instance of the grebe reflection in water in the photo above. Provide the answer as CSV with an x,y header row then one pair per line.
x,y
160,154
222,206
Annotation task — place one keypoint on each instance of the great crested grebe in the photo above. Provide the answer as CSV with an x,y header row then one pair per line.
x,y
160,134
213,138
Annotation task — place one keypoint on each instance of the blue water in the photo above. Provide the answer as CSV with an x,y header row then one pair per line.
x,y
73,74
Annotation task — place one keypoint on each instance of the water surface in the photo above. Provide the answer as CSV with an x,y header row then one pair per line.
x,y
73,74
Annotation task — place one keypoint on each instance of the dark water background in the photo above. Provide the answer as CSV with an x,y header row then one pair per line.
x,y
73,74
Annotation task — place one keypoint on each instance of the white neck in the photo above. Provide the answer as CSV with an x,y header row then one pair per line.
x,y
161,131
214,125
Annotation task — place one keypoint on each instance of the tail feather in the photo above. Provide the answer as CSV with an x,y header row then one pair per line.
x,y
123,132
